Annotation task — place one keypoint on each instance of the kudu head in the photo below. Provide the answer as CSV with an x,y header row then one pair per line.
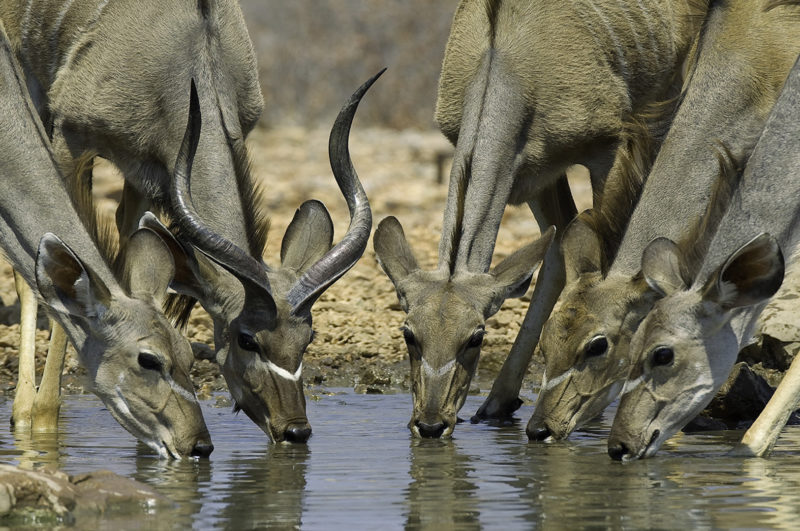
x,y
585,341
445,322
685,348
263,314
138,363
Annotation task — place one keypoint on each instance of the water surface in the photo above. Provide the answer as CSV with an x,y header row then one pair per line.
x,y
361,470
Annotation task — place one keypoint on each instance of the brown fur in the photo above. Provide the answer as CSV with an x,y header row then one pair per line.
x,y
614,206
100,228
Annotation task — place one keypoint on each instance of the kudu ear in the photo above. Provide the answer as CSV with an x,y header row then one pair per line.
x,y
581,248
749,276
308,237
147,266
66,284
393,251
194,273
513,275
662,264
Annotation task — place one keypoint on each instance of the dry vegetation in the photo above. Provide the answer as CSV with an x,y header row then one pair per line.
x,y
312,53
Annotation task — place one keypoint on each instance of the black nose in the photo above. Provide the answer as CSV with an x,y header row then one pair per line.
x,y
617,450
537,433
297,434
202,449
431,431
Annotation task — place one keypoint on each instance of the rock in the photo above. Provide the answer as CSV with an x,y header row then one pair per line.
x,y
741,399
48,495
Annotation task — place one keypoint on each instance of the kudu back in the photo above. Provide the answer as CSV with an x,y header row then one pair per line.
x,y
740,62
687,345
137,363
527,89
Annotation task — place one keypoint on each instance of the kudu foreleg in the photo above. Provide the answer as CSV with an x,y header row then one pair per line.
x,y
555,206
47,403
760,438
26,381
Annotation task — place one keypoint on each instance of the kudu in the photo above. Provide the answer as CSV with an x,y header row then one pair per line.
x,y
137,363
266,312
104,74
527,89
687,345
732,84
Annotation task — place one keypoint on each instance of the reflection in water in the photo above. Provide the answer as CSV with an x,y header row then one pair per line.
x,y
362,470
37,449
442,491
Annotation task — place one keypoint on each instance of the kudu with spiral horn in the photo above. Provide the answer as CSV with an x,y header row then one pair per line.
x,y
263,314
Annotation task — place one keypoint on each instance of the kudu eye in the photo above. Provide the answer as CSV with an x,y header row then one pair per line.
x,y
596,347
409,337
247,342
150,362
663,356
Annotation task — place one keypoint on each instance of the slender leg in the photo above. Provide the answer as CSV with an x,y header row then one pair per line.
x,y
762,435
130,210
554,207
47,403
26,382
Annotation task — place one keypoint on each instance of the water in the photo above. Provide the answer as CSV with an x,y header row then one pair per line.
x,y
361,470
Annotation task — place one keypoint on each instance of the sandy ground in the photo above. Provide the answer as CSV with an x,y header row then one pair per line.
x,y
358,341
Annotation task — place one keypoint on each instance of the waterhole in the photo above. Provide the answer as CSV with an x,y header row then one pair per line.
x,y
361,470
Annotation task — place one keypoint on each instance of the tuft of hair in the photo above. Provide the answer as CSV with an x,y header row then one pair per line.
x,y
492,7
251,195
178,308
772,4
101,229
694,245
615,203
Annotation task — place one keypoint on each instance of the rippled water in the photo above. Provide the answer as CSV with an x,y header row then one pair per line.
x,y
361,470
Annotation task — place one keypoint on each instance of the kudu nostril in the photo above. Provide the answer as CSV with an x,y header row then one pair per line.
x,y
297,434
202,449
539,433
617,450
431,431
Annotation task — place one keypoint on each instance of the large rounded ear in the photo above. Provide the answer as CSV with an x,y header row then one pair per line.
x,y
147,266
581,248
308,237
749,276
662,264
393,251
195,275
513,275
66,284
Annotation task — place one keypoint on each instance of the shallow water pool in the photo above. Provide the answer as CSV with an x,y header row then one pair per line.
x,y
361,470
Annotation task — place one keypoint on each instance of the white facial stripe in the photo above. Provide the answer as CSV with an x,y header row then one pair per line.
x,y
547,385
441,371
180,390
283,373
630,385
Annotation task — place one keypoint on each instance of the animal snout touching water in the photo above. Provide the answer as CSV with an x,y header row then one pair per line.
x,y
218,338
